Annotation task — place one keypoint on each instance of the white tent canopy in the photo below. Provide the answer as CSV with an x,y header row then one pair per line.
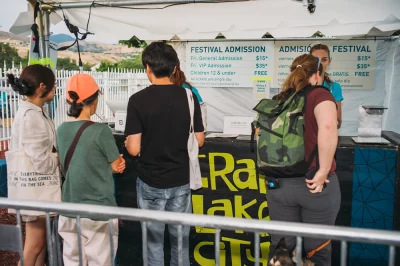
x,y
238,20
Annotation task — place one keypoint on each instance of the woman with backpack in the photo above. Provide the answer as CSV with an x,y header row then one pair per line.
x,y
324,54
33,154
89,156
313,197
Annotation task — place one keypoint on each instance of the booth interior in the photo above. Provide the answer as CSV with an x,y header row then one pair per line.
x,y
367,154
232,75
369,183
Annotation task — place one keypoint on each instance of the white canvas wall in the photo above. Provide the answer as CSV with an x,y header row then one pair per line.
x,y
239,101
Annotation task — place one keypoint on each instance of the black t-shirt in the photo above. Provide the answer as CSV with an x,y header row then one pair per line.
x,y
161,114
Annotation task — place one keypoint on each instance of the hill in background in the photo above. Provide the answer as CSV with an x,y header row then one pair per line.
x,y
91,52
12,38
60,38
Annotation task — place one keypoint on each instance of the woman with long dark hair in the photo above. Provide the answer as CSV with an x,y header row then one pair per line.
x,y
33,133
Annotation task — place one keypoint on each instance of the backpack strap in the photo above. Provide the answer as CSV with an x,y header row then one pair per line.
x,y
71,150
252,138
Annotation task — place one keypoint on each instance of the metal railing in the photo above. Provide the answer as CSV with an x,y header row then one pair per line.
x,y
300,230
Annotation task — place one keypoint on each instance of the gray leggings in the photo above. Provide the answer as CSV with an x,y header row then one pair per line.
x,y
293,202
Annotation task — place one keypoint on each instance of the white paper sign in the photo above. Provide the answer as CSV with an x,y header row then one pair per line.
x,y
261,89
240,125
228,64
353,62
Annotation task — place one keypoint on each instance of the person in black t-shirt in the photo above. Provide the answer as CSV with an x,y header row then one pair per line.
x,y
157,129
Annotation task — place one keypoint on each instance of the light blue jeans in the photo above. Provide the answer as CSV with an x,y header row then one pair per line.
x,y
176,199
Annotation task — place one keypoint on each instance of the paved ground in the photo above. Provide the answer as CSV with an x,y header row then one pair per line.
x,y
8,258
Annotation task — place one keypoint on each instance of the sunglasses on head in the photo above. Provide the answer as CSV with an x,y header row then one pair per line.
x,y
319,63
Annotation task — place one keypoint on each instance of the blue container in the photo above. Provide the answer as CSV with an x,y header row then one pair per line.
x,y
3,178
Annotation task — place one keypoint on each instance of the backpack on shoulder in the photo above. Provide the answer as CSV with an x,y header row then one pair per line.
x,y
279,132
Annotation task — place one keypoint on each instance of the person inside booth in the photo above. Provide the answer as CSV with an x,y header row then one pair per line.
x,y
323,53
179,78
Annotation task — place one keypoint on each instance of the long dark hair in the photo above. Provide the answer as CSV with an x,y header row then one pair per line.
x,y
301,70
324,47
30,79
75,108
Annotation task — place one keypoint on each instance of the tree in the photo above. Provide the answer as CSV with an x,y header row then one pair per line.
x,y
133,42
25,60
9,54
87,67
67,64
135,63
105,65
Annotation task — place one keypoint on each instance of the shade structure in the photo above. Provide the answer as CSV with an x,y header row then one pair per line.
x,y
234,20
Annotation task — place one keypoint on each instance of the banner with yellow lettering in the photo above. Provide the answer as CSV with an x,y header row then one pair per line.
x,y
231,188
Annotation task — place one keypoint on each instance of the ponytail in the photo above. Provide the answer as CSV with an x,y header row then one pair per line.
x,y
75,108
179,78
19,86
301,70
31,79
327,79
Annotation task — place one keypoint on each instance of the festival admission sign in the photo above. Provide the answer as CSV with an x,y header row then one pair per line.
x,y
228,64
353,62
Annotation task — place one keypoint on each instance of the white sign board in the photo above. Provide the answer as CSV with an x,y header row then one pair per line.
x,y
261,88
353,62
240,125
228,64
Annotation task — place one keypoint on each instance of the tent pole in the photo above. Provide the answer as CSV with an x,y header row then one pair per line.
x,y
46,47
136,3
46,34
42,49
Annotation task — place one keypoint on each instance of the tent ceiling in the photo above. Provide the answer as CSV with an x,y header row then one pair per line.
x,y
241,20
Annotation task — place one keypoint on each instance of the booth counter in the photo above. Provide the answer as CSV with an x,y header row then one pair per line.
x,y
368,178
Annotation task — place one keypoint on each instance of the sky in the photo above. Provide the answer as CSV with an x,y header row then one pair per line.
x,y
9,10
8,13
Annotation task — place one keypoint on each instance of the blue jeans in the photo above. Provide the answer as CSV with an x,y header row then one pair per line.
x,y
176,199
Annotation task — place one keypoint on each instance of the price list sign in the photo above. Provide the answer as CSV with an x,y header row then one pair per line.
x,y
353,62
228,64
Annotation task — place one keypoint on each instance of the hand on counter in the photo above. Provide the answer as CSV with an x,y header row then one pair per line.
x,y
316,185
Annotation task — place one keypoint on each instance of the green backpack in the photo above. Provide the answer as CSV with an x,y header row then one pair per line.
x,y
280,136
